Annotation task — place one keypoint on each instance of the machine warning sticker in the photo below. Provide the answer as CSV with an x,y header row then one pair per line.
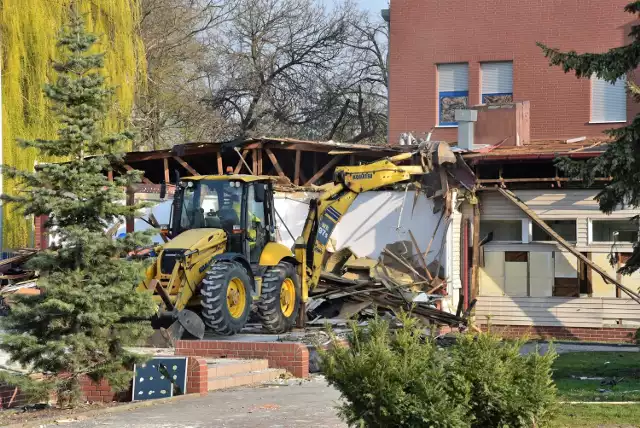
x,y
326,226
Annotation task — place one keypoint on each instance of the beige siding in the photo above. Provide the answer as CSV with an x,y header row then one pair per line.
x,y
456,246
558,311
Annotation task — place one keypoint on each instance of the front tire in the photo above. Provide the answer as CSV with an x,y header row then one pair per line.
x,y
279,303
226,298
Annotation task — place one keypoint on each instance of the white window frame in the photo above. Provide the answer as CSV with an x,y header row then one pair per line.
x,y
552,241
454,93
524,230
504,90
601,85
590,240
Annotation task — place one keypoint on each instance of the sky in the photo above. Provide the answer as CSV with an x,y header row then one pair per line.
x,y
374,5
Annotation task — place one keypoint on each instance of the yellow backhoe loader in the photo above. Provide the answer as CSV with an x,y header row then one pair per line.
x,y
222,257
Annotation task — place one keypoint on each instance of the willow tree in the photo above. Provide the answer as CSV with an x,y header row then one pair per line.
x,y
28,31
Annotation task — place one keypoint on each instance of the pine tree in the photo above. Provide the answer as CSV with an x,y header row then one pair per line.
x,y
621,160
88,311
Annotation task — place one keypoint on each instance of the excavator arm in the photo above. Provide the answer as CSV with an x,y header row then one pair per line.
x,y
326,211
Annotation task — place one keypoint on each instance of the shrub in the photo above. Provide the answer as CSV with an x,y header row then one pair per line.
x,y
395,379
507,389
402,379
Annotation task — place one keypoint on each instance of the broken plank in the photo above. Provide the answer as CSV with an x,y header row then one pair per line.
x,y
185,165
323,170
421,257
560,240
275,163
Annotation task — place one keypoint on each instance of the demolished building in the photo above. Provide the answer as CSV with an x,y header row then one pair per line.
x,y
528,281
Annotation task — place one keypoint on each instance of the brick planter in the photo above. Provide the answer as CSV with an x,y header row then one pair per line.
x,y
608,335
293,357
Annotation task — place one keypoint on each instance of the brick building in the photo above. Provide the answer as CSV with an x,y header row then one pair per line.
x,y
445,54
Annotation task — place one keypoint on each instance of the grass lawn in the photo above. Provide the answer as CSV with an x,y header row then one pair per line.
x,y
598,415
623,367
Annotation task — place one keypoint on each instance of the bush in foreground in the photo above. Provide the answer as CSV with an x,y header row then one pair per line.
x,y
402,379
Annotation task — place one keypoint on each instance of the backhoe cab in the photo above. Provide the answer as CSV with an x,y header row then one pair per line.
x,y
222,257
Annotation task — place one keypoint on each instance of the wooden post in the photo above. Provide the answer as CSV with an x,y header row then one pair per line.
x,y
296,176
130,202
110,175
220,166
259,161
165,162
254,158
475,260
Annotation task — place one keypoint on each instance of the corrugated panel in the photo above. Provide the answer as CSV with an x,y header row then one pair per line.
x,y
515,278
453,77
541,274
497,78
566,265
491,276
608,101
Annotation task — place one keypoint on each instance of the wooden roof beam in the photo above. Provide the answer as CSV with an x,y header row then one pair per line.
x,y
185,165
332,163
144,179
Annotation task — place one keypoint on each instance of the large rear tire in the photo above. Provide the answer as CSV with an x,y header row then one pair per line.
x,y
279,303
226,298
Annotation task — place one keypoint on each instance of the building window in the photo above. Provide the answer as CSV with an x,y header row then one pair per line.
x,y
608,101
502,230
497,82
614,230
453,91
567,229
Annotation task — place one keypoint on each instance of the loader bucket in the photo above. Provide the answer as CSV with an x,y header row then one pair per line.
x,y
186,321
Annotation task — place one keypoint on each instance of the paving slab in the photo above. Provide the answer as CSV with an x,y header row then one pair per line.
x,y
298,404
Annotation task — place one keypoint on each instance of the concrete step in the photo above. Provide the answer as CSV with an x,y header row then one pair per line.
x,y
244,379
222,367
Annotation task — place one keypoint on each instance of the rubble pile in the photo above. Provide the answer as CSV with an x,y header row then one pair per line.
x,y
15,278
358,288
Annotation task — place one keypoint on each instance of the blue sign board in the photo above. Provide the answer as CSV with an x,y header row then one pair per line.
x,y
160,377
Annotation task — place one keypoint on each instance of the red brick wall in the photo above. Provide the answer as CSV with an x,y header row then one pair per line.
x,y
427,32
102,392
293,357
610,335
197,376
40,233
11,397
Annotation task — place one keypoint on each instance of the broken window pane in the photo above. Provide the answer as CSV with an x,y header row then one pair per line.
x,y
565,228
503,230
615,230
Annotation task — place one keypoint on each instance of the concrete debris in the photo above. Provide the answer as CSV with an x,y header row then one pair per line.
x,y
358,288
